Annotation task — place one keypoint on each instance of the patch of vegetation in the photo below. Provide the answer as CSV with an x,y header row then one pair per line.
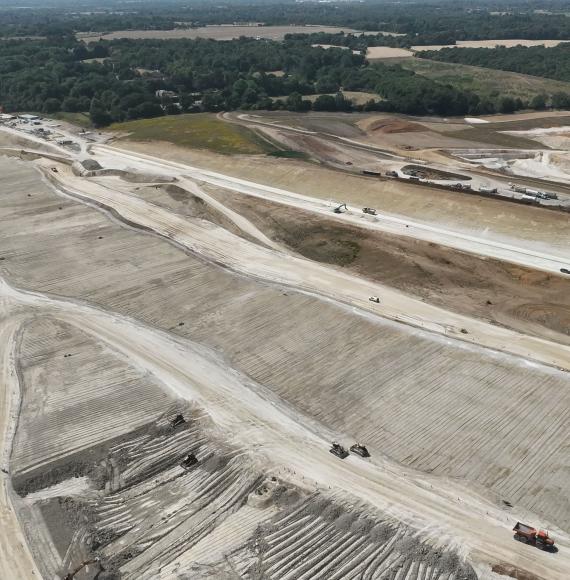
x,y
552,62
79,119
482,81
328,249
290,154
197,131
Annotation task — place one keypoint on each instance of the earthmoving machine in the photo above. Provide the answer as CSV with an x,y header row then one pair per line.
x,y
189,461
374,299
528,535
369,210
338,209
360,449
178,420
338,450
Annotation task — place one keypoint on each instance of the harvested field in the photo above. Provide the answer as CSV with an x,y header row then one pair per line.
x,y
361,369
222,32
490,44
382,52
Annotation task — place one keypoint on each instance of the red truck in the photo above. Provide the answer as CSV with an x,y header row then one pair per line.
x,y
538,538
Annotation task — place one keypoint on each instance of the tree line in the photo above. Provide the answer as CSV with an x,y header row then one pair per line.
x,y
128,79
431,22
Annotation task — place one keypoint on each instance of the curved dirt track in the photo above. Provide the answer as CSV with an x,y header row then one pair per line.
x,y
16,561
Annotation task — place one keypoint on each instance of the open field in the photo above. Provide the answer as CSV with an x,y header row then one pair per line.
x,y
484,81
381,52
216,32
145,289
200,131
491,44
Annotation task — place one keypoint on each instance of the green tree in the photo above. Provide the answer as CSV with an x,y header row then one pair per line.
x,y
51,106
507,105
538,102
98,114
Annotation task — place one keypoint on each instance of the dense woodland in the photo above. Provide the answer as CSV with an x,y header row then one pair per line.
x,y
129,79
61,75
430,22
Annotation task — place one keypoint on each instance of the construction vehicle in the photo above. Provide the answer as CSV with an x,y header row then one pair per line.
x,y
338,209
529,535
338,450
360,449
374,299
178,420
189,461
54,169
369,210
485,189
391,174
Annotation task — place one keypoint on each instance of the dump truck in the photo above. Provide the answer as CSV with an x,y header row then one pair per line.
x,y
369,210
528,535
338,450
360,449
189,461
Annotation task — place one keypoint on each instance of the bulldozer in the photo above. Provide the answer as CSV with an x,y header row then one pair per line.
x,y
360,449
178,420
528,535
189,461
338,450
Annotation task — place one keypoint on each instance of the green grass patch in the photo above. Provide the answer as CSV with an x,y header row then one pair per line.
x,y
197,131
79,119
483,81
290,154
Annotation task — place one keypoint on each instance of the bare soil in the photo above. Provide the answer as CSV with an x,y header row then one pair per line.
x,y
431,173
488,289
392,125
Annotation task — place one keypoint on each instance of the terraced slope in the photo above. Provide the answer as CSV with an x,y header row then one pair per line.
x,y
77,395
425,401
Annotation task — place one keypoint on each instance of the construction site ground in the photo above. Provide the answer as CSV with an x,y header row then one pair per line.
x,y
165,284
